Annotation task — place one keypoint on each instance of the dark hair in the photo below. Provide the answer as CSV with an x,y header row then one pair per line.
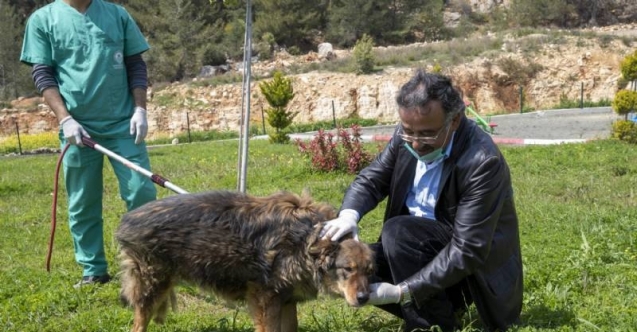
x,y
424,87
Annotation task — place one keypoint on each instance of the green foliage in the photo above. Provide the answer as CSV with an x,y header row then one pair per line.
x,y
628,67
291,22
29,142
541,12
625,130
518,71
15,79
426,23
213,56
565,103
265,46
278,92
437,68
349,20
625,102
325,125
364,55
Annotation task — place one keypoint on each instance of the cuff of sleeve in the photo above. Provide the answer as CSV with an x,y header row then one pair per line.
x,y
350,213
66,118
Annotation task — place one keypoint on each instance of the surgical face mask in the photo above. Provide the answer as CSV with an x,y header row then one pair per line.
x,y
429,157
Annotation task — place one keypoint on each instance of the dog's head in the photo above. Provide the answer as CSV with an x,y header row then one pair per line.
x,y
346,267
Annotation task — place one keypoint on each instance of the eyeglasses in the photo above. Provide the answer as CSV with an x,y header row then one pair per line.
x,y
424,140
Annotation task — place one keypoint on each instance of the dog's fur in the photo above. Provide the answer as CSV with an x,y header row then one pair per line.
x,y
265,251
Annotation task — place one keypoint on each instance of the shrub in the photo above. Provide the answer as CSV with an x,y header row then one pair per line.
x,y
278,92
326,155
625,102
29,142
363,55
628,67
625,130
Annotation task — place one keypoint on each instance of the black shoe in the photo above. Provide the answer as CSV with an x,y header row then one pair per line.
x,y
93,280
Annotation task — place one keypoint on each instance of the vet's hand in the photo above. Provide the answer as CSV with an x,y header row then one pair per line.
x,y
383,293
344,224
139,125
73,131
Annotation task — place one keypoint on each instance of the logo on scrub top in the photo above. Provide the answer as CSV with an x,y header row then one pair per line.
x,y
119,60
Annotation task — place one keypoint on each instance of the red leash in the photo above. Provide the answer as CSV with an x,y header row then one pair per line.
x,y
54,208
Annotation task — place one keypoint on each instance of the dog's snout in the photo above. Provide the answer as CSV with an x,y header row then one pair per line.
x,y
362,297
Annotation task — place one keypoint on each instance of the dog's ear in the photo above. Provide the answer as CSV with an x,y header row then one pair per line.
x,y
324,252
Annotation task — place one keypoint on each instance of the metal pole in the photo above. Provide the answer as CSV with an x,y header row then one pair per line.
x,y
521,100
17,131
581,96
333,114
263,119
247,59
188,127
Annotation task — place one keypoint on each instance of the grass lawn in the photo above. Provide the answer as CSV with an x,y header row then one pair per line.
x,y
576,204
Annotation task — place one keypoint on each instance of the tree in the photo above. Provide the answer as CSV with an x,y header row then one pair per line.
x,y
363,55
427,20
15,80
543,12
350,19
180,32
278,92
291,22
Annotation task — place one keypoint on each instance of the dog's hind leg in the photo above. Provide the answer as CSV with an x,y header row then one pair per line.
x,y
162,308
289,322
265,309
142,318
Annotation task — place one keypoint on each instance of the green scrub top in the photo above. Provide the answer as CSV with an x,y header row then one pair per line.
x,y
87,52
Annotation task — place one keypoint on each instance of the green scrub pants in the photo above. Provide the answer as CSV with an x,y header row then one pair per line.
x,y
83,168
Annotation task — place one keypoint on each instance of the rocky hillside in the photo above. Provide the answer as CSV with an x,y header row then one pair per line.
x,y
547,68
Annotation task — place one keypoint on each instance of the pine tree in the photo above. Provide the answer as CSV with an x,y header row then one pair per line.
x,y
278,92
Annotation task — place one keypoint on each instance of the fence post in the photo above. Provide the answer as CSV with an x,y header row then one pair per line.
x,y
263,120
521,100
581,96
17,131
188,126
333,114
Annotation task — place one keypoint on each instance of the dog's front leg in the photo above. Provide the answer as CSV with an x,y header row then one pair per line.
x,y
265,309
289,322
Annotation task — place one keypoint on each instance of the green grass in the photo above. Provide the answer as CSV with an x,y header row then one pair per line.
x,y
576,204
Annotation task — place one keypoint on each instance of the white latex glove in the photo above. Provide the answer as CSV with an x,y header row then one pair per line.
x,y
384,293
139,125
73,131
345,223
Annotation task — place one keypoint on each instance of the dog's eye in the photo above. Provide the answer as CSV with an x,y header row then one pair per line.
x,y
347,269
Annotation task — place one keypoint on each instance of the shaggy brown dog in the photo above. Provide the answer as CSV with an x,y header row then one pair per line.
x,y
264,250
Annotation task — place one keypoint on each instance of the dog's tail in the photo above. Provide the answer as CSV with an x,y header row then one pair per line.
x,y
131,279
143,285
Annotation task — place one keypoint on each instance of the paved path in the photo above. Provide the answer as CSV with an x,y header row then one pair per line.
x,y
539,127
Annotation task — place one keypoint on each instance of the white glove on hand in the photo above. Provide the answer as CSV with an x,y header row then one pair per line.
x,y
384,293
139,125
73,131
344,224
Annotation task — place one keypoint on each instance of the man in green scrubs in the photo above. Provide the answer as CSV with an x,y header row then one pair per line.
x,y
86,58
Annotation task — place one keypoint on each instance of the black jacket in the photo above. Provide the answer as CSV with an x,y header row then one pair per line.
x,y
476,200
